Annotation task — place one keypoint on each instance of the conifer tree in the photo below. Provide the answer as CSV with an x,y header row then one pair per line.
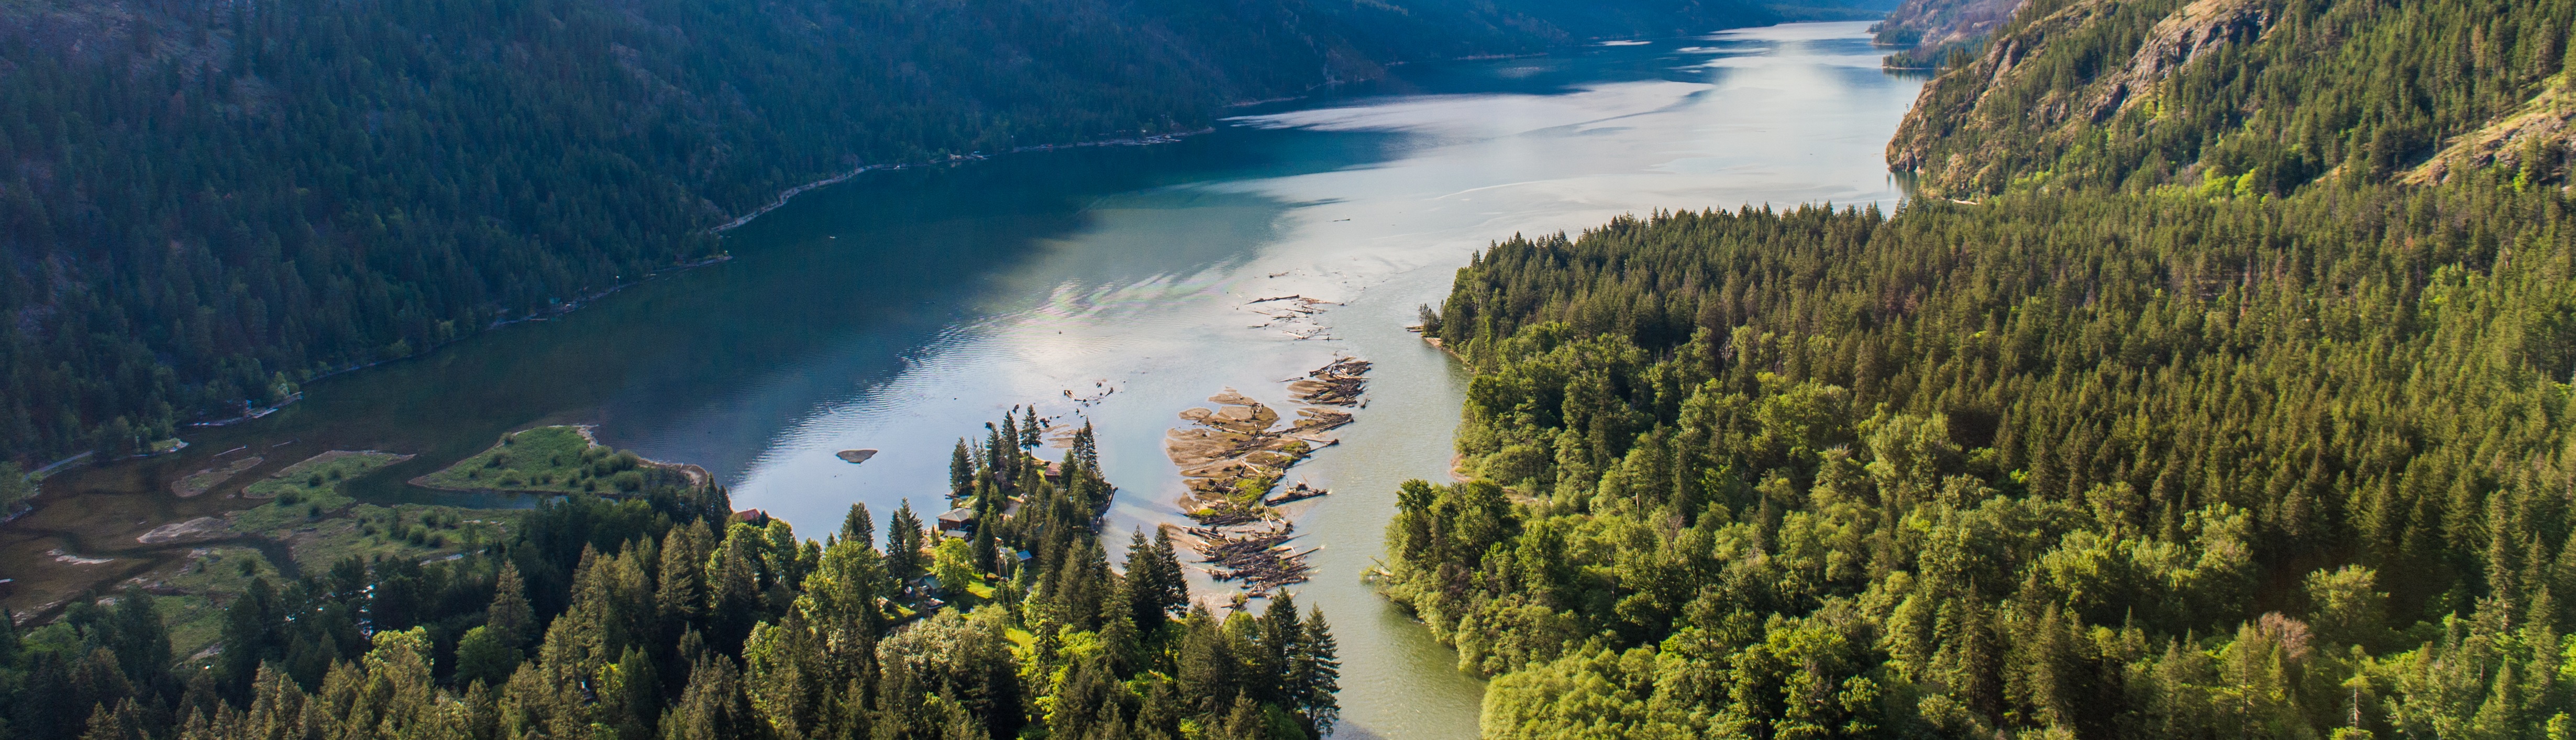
x,y
858,527
904,557
961,469
510,618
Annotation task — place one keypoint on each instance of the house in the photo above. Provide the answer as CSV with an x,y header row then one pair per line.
x,y
957,520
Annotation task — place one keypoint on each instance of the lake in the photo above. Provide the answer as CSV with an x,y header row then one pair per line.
x,y
902,309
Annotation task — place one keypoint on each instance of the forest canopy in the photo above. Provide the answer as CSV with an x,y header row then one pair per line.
x,y
2235,405
2116,466
208,203
664,614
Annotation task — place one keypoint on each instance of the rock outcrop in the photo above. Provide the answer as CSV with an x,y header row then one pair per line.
x,y
1974,124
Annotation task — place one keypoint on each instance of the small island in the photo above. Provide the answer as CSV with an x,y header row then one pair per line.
x,y
558,459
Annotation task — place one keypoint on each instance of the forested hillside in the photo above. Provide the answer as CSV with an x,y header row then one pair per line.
x,y
2125,467
206,202
2268,95
2205,419
664,616
1926,32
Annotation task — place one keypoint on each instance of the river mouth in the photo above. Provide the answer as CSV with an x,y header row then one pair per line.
x,y
902,309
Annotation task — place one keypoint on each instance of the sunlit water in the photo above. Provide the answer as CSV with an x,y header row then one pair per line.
x,y
1148,296
902,310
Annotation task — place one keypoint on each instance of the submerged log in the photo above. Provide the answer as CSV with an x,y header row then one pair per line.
x,y
1335,384
1295,493
1260,558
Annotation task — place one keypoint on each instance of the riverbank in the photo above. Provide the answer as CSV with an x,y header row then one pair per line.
x,y
556,461
790,194
195,554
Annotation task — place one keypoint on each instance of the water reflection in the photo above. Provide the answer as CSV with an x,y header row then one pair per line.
x,y
903,309
1148,295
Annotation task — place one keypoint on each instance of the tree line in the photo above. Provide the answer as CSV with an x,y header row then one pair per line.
x,y
666,615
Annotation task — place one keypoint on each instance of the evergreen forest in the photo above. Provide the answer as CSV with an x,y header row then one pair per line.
x,y
209,202
666,615
2216,384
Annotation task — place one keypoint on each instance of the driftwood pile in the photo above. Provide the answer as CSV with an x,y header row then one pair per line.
x,y
1232,456
1293,315
1261,558
1337,384
1295,493
1230,514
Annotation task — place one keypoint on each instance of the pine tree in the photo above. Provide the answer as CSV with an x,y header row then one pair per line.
x,y
858,527
251,638
509,616
1314,677
904,558
961,469
1001,464
1086,447
733,590
1281,638
1147,587
1010,433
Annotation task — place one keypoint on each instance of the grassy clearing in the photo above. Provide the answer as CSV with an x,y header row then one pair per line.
x,y
308,511
197,483
408,531
192,598
194,594
320,475
319,524
556,459
306,491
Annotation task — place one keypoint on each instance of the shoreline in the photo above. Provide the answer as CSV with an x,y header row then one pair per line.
x,y
784,196
698,476
790,194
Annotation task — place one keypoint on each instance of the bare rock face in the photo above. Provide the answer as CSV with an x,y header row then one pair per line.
x,y
2534,142
2187,35
1962,130
1932,24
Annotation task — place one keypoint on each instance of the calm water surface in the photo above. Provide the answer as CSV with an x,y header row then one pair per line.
x,y
904,309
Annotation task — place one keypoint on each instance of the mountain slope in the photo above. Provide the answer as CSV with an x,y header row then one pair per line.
x,y
207,202
2271,93
2228,407
1927,31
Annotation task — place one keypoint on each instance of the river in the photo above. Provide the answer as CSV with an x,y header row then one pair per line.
x,y
902,309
